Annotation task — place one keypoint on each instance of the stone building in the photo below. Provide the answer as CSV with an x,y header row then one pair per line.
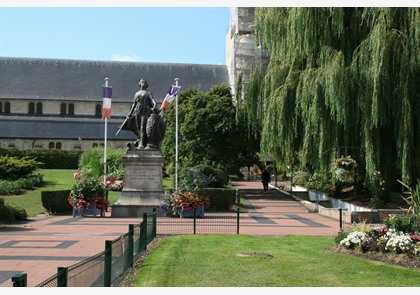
x,y
52,103
57,103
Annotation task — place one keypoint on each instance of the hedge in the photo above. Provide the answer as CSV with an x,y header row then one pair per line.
x,y
56,202
220,198
52,158
11,212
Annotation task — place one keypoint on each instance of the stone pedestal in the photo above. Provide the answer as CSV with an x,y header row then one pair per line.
x,y
143,186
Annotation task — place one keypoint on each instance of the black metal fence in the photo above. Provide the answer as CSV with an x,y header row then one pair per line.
x,y
107,267
213,222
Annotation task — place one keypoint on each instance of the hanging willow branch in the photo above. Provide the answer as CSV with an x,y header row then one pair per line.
x,y
339,77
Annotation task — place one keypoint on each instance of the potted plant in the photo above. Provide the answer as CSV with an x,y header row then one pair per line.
x,y
87,195
184,205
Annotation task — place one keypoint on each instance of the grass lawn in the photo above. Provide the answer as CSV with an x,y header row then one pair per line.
x,y
54,179
297,261
58,179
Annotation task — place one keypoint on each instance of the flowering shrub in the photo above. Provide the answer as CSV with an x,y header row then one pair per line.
x,y
77,174
383,239
114,184
87,191
357,240
174,203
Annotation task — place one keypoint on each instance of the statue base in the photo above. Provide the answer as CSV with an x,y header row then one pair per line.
x,y
143,188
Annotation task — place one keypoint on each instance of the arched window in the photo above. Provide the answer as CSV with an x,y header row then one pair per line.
x,y
71,109
7,107
51,145
58,145
98,110
63,109
95,145
39,108
31,108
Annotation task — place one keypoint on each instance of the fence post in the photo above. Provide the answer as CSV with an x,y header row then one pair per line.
x,y
154,223
145,231
237,221
62,273
195,219
108,264
341,217
130,249
20,280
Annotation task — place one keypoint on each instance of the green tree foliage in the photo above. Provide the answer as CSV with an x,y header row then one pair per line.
x,y
339,81
209,133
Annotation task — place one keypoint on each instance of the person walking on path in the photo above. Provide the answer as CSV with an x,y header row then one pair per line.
x,y
265,179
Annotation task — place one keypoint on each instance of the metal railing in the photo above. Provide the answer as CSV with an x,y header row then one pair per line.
x,y
107,267
214,222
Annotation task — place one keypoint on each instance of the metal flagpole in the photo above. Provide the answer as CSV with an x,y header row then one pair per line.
x,y
176,138
106,133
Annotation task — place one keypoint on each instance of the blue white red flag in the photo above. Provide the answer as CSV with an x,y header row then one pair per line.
x,y
169,98
106,106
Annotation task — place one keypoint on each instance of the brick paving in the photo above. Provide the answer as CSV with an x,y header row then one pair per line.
x,y
40,245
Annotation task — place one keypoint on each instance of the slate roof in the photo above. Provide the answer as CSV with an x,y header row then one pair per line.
x,y
33,78
58,79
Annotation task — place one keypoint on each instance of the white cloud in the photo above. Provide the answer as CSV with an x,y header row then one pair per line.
x,y
119,57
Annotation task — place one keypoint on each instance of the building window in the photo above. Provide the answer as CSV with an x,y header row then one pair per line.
x,y
95,145
98,110
39,108
56,145
71,109
7,107
31,108
1,107
63,109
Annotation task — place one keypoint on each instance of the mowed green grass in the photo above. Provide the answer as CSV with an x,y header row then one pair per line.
x,y
54,179
58,179
297,261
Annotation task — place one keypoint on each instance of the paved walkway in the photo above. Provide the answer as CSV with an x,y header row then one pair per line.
x,y
38,246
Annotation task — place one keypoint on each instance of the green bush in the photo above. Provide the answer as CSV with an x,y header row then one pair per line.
x,y
12,168
11,212
196,178
56,202
92,162
14,187
9,187
19,212
220,198
406,223
52,158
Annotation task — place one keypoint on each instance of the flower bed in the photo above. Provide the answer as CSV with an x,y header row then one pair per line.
x,y
382,244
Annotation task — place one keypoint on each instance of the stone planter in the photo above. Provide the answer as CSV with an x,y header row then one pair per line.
x,y
91,211
199,213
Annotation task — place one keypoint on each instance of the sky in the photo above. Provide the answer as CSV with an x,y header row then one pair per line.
x,y
144,34
124,30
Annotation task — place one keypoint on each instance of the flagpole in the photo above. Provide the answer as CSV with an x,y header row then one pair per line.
x,y
105,140
176,137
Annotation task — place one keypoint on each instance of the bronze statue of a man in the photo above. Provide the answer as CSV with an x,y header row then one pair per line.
x,y
140,111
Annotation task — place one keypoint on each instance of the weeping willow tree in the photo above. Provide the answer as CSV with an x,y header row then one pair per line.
x,y
339,81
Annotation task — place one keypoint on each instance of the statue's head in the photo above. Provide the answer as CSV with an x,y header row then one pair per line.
x,y
143,83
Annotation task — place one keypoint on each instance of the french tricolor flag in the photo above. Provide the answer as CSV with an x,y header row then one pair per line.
x,y
106,106
173,91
